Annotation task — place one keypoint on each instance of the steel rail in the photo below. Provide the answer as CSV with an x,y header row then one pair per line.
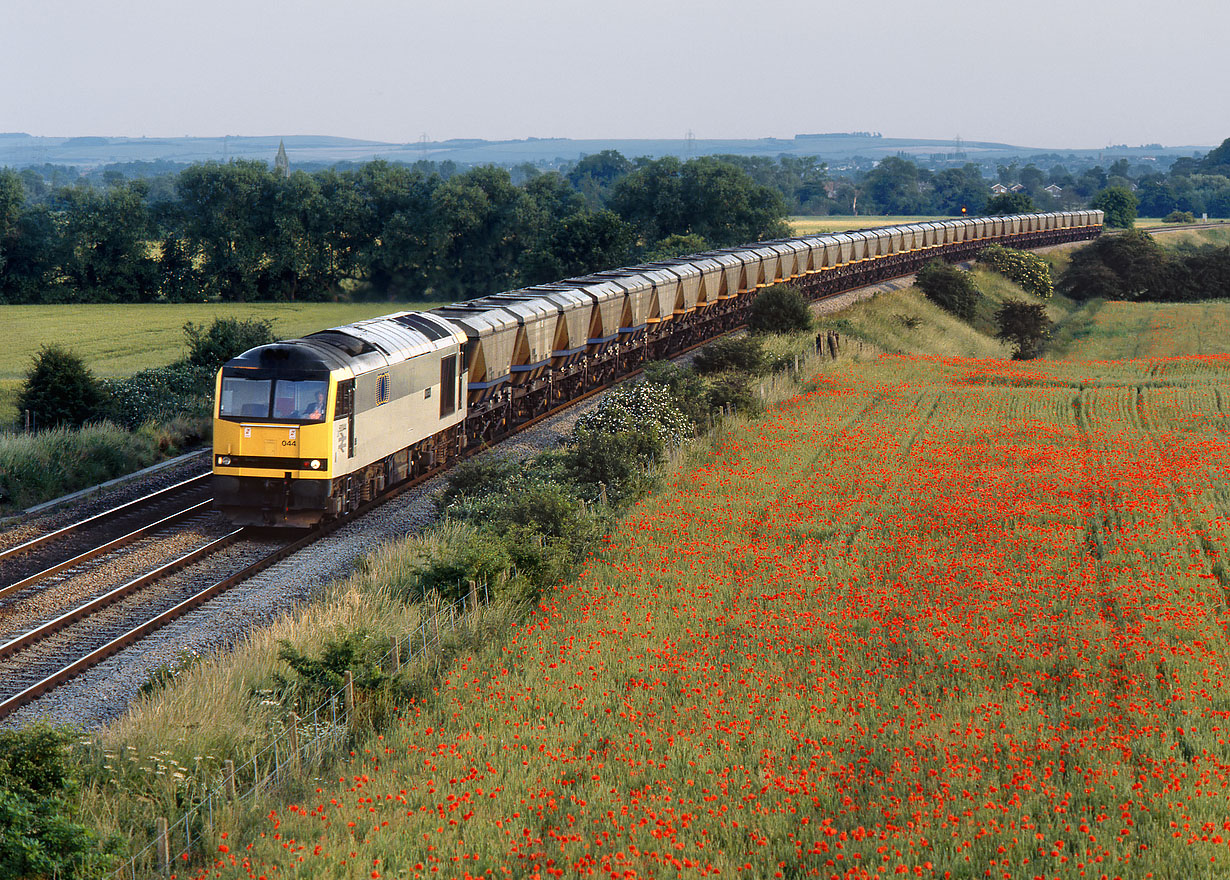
x,y
113,595
34,543
134,535
140,631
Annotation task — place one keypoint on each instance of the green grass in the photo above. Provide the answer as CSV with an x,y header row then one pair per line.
x,y
906,322
1173,237
118,340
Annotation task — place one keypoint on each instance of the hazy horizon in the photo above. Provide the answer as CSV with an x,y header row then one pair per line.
x,y
1099,73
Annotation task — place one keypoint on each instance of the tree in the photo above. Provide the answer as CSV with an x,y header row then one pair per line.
x,y
957,188
226,213
1119,204
59,390
595,174
894,186
104,235
780,308
1023,324
224,339
707,197
1217,161
1125,266
1010,203
949,288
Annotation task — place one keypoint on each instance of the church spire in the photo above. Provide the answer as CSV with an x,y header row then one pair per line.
x,y
281,164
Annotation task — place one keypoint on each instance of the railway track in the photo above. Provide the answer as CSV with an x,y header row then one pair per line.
x,y
100,533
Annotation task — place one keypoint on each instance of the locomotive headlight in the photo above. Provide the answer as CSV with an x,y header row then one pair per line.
x,y
315,464
224,460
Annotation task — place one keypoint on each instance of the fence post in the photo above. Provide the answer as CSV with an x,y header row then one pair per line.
x,y
473,596
349,692
396,654
602,493
293,731
229,781
163,845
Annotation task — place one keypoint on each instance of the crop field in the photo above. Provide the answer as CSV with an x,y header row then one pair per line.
x,y
1102,330
118,340
833,223
942,617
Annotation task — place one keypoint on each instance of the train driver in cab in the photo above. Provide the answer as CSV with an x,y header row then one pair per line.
x,y
316,411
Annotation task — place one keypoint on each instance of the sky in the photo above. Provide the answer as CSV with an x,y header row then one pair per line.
x,y
1045,73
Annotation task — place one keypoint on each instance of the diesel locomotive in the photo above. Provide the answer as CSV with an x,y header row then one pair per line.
x,y
306,430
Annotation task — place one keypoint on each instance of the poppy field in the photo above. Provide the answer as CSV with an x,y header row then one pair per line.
x,y
930,617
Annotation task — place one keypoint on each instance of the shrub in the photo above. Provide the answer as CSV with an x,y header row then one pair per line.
x,y
684,387
358,651
615,459
159,394
476,477
224,339
733,390
38,801
1179,217
780,309
949,288
1028,270
743,353
60,391
642,403
1023,324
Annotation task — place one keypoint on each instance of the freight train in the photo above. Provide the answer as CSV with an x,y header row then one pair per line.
x,y
306,430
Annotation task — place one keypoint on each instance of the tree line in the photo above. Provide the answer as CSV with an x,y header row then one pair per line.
x,y
237,231
434,231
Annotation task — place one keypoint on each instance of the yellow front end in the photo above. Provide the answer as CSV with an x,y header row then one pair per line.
x,y
271,472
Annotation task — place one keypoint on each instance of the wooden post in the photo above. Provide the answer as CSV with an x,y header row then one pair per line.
x,y
602,493
293,741
473,596
349,692
396,654
163,845
229,779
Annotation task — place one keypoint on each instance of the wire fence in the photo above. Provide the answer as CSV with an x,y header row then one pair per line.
x,y
305,743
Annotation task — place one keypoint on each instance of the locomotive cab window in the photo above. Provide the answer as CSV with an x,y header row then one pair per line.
x,y
304,400
244,398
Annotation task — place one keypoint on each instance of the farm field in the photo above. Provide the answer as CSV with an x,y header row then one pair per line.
x,y
1104,330
935,616
117,340
833,223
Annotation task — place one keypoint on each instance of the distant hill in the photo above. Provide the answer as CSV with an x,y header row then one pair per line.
x,y
18,149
